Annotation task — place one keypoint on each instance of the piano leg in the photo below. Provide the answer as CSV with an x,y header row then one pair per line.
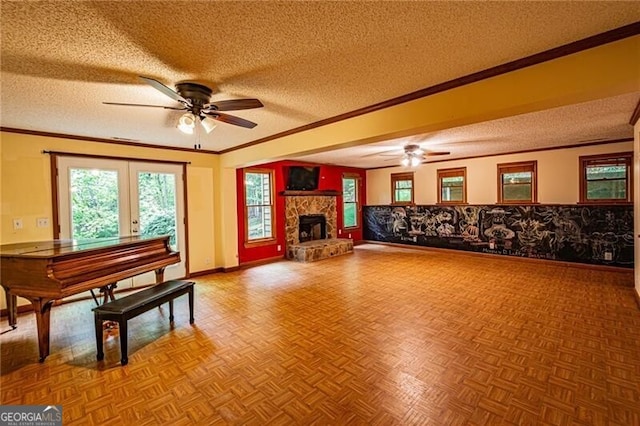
x,y
159,275
42,308
12,308
107,292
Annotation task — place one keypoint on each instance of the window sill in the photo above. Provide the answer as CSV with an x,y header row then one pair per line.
x,y
605,203
260,243
517,203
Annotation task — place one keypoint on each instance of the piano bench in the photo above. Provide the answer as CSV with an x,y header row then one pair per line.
x,y
125,308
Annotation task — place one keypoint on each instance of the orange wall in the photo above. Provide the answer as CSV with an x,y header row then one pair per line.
x,y
330,179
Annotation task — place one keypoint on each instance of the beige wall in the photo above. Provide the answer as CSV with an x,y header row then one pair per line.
x,y
25,189
557,176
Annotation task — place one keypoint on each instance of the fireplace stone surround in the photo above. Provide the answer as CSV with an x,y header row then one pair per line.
x,y
296,206
304,205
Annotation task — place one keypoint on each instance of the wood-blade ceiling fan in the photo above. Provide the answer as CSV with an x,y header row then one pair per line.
x,y
412,155
196,100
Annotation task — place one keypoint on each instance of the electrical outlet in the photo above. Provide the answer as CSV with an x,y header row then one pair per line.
x,y
207,261
339,231
279,247
42,222
349,236
17,224
608,255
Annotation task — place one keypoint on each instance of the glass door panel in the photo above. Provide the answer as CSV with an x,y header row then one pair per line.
x,y
95,209
157,208
157,205
93,198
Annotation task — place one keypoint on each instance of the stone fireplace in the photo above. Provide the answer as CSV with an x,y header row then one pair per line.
x,y
296,206
312,227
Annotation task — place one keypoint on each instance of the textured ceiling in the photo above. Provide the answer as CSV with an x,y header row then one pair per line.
x,y
306,61
589,122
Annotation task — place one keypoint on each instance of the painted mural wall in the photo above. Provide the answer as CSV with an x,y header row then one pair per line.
x,y
601,235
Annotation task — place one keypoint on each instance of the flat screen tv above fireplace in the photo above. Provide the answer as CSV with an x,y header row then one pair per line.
x,y
301,178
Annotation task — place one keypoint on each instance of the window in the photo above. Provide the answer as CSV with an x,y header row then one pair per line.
x,y
258,201
350,206
452,186
606,178
517,182
402,188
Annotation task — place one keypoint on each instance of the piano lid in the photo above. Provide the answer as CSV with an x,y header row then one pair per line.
x,y
53,248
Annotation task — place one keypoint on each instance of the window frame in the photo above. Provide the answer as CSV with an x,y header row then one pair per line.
x,y
452,172
358,179
592,160
396,177
259,241
518,167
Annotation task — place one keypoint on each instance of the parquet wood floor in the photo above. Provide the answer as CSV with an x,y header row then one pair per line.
x,y
384,336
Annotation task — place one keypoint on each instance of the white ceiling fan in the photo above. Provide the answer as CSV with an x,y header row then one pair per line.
x,y
412,155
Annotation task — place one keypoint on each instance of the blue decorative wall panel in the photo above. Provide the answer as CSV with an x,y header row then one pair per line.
x,y
601,235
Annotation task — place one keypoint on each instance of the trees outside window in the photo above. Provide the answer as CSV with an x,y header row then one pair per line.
x,y
350,207
452,186
517,182
259,205
402,188
606,178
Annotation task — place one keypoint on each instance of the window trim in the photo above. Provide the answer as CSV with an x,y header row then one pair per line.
x,y
452,172
518,167
588,160
358,183
395,177
262,241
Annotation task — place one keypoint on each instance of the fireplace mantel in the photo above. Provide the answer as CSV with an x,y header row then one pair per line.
x,y
326,192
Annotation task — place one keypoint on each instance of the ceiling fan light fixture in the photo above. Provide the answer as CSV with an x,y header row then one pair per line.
x,y
187,123
208,123
405,161
415,161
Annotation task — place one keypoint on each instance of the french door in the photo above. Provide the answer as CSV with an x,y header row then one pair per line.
x,y
100,198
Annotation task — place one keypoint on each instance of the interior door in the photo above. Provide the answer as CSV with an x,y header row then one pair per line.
x,y
100,198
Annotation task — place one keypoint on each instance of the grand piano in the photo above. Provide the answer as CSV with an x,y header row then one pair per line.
x,y
42,272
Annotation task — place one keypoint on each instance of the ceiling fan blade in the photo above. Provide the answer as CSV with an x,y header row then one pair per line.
x,y
166,90
387,153
230,119
434,153
235,104
143,105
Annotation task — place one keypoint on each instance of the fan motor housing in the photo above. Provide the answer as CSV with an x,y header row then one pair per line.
x,y
197,93
411,148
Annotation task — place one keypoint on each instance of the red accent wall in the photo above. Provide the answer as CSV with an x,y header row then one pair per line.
x,y
330,179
